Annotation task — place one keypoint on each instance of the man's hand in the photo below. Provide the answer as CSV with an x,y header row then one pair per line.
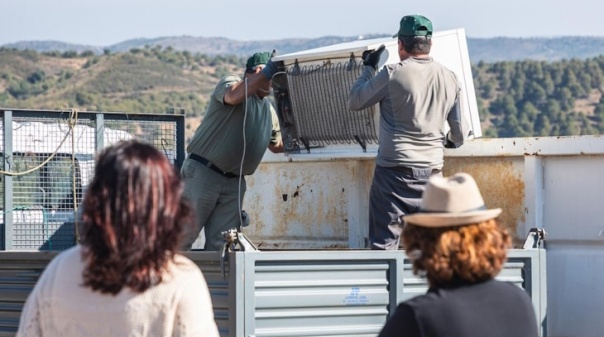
x,y
449,143
269,70
372,57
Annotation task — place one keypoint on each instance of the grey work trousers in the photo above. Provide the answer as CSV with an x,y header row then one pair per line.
x,y
215,200
395,192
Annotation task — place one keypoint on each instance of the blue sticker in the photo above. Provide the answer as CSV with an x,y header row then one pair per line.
x,y
355,297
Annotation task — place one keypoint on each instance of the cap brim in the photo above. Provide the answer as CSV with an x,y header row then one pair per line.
x,y
436,220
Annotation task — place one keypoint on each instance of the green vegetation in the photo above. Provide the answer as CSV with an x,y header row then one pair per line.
x,y
515,98
538,98
150,79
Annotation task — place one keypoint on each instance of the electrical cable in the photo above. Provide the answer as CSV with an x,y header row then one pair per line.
x,y
245,145
243,154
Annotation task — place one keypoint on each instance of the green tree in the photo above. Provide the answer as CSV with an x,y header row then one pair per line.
x,y
543,126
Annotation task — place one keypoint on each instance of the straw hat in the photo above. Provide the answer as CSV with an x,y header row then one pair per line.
x,y
451,201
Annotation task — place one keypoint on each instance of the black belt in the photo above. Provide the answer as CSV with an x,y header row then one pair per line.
x,y
409,170
211,166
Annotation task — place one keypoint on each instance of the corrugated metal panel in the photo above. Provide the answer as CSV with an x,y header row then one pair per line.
x,y
19,272
329,293
515,270
222,289
289,293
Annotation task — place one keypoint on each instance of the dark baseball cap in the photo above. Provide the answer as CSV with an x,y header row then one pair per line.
x,y
414,25
257,59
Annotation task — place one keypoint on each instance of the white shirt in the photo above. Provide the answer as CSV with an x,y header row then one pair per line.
x,y
60,306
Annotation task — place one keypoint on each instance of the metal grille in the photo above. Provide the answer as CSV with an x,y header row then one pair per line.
x,y
38,208
319,103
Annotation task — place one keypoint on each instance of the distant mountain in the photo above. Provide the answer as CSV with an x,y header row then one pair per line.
x,y
480,49
546,49
204,45
224,46
47,46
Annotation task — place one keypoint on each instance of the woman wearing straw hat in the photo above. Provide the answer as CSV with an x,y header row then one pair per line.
x,y
457,244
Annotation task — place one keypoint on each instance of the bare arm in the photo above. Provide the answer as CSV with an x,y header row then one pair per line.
x,y
236,93
276,143
276,148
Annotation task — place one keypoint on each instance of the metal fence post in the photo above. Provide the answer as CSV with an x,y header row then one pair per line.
x,y
8,180
100,131
180,141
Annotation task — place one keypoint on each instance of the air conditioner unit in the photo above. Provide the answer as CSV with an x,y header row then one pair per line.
x,y
311,93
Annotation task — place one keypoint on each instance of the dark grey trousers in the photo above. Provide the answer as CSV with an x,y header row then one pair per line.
x,y
395,192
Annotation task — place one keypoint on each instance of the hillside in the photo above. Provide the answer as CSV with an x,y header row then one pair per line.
x,y
487,50
148,80
515,98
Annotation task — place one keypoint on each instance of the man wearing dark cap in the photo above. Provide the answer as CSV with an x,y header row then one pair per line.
x,y
417,96
239,125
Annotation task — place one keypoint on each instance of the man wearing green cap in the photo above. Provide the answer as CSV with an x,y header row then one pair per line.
x,y
239,125
416,96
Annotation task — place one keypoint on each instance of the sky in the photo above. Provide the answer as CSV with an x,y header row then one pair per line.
x,y
106,22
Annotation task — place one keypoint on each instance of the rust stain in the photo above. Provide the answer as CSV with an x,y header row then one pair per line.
x,y
307,202
501,187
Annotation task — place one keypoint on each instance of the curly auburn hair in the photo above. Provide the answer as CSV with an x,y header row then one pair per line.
x,y
470,253
133,218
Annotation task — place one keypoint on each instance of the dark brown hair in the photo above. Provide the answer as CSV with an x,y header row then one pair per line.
x,y
416,45
469,254
133,218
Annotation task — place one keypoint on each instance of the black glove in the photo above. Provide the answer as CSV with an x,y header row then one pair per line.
x,y
448,143
270,69
372,57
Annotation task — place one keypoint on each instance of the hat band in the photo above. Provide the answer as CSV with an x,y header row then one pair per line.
x,y
481,208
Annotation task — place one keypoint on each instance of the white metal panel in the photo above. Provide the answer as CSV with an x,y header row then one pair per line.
x,y
530,146
308,205
573,218
574,196
575,276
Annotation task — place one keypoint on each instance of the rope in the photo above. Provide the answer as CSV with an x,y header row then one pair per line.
x,y
72,122
73,117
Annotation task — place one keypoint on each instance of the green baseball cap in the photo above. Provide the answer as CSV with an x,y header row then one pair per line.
x,y
414,25
257,59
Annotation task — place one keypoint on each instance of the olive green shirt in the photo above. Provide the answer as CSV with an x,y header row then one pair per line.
x,y
220,136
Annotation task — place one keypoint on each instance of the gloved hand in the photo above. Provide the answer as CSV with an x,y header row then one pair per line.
x,y
269,70
448,143
372,57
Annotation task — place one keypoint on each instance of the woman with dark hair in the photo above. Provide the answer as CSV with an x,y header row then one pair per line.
x,y
457,244
126,277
